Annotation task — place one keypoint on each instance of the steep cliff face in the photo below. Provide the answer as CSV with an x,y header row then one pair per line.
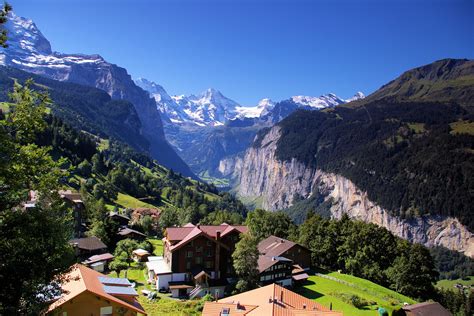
x,y
280,182
230,166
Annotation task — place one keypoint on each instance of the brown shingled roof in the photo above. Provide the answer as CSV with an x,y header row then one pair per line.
x,y
185,233
265,262
88,243
427,309
271,300
275,246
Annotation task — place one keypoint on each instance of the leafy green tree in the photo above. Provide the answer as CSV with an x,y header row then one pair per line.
x,y
147,225
119,263
263,224
101,224
126,246
245,260
321,237
168,218
413,273
98,166
34,244
85,168
219,217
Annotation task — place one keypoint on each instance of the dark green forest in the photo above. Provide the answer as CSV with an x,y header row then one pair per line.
x,y
406,155
84,108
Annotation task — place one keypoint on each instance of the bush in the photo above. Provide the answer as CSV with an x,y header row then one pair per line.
x,y
358,301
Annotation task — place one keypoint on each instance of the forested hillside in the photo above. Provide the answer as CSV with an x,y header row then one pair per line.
x,y
83,107
412,157
116,172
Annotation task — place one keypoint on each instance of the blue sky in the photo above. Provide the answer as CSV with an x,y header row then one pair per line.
x,y
254,49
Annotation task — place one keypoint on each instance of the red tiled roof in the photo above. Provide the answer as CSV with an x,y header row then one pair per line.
x,y
212,230
215,308
185,233
177,233
271,300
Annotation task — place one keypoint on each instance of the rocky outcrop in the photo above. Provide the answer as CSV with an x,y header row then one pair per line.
x,y
280,182
230,166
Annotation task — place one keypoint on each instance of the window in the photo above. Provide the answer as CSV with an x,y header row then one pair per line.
x,y
106,311
209,243
267,277
188,265
189,254
199,249
198,260
208,264
209,252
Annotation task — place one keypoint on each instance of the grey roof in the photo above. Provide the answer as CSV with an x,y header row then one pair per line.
x,y
114,281
126,231
120,290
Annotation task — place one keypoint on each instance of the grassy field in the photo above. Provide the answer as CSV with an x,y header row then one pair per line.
x,y
417,127
218,182
171,307
157,246
462,127
252,202
128,201
449,284
327,292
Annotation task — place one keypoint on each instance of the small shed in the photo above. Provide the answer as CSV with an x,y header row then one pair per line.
x,y
180,289
140,255
100,262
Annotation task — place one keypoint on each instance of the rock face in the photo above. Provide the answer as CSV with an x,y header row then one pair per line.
x,y
230,166
280,182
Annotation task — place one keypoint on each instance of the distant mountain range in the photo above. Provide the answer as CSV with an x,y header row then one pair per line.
x,y
30,51
212,108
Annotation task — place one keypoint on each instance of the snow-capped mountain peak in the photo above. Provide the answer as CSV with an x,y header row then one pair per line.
x,y
321,102
359,95
24,35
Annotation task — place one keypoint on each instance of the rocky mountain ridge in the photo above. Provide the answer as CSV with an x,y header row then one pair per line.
x,y
30,51
212,108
